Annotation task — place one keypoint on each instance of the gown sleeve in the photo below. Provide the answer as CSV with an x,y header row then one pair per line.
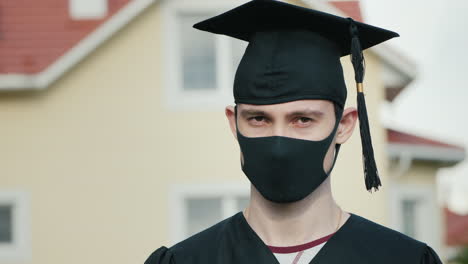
x,y
430,257
161,256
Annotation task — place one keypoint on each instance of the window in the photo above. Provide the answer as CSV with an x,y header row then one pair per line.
x,y
408,207
197,54
205,212
197,207
15,244
414,212
87,9
202,212
6,224
199,66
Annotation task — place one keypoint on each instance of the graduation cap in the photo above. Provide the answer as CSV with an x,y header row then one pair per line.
x,y
294,54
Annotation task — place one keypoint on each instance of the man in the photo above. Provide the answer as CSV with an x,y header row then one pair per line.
x,y
290,122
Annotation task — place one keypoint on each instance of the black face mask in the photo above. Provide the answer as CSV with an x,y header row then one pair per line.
x,y
285,169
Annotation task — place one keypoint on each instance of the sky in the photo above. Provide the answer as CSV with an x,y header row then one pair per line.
x,y
432,35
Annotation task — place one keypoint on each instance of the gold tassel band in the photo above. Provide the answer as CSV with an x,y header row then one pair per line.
x,y
360,87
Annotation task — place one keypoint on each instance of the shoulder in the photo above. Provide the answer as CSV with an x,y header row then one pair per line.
x,y
199,248
376,240
370,231
161,256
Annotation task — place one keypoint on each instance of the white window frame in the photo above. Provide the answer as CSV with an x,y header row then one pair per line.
x,y
428,223
20,248
88,9
180,192
177,98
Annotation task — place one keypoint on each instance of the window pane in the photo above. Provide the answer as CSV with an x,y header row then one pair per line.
x,y
202,213
238,49
409,217
242,203
198,54
5,224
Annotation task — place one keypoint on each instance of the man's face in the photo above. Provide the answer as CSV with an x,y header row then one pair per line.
x,y
303,119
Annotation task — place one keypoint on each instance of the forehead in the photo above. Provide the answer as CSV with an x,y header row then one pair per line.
x,y
299,105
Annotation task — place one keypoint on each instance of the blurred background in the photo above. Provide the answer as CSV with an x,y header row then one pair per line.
x,y
114,142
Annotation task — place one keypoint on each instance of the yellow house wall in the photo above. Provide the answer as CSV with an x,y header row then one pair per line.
x,y
421,173
98,152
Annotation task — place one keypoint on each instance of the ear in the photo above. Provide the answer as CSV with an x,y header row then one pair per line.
x,y
230,114
347,124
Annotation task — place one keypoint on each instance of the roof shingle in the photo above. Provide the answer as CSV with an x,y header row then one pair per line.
x,y
34,34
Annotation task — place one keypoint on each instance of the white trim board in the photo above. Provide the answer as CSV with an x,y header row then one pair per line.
x,y
420,152
43,79
87,9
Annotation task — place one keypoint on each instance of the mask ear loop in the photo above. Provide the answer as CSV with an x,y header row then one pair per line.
x,y
238,133
337,150
337,146
235,118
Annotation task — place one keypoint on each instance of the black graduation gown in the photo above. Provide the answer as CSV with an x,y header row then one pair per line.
x,y
358,241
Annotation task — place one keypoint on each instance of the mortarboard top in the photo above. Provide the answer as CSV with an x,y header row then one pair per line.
x,y
263,15
294,54
293,51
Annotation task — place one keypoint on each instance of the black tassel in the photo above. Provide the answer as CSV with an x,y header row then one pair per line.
x,y
371,173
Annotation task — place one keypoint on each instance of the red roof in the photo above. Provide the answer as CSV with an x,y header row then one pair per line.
x,y
34,34
398,137
457,228
350,8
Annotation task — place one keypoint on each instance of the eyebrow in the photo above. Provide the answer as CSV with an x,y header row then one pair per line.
x,y
252,112
307,112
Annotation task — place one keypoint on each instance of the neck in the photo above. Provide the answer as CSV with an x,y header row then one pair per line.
x,y
295,223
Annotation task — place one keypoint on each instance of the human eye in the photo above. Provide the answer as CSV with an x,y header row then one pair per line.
x,y
257,120
303,121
